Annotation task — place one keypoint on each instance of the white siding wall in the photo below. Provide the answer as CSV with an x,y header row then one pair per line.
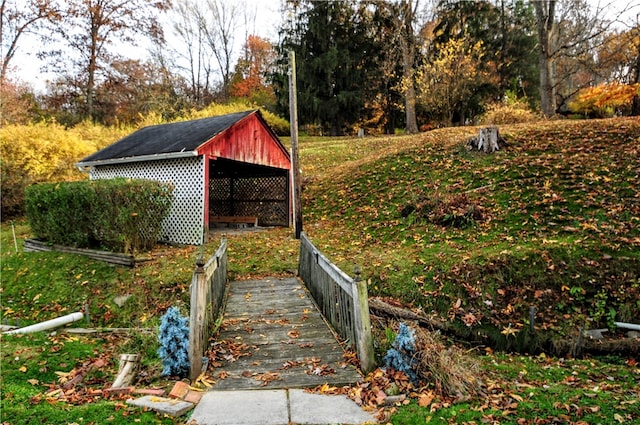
x,y
185,223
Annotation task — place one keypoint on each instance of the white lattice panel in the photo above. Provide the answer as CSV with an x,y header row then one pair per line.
x,y
185,222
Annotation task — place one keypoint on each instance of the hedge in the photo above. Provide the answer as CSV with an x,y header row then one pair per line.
x,y
122,215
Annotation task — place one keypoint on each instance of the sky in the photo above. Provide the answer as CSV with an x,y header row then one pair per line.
x,y
29,68
268,17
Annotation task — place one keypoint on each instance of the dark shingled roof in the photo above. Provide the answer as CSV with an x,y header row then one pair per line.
x,y
185,136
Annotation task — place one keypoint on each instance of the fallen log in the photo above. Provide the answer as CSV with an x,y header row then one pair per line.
x,y
105,330
618,346
621,346
34,245
81,373
379,307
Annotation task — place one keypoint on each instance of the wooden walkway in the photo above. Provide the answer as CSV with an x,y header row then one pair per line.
x,y
272,336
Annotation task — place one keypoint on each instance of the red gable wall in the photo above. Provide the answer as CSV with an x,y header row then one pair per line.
x,y
249,140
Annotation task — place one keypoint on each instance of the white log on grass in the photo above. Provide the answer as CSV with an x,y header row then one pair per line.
x,y
49,324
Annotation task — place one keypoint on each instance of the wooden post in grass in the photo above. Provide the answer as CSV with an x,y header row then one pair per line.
x,y
295,162
196,319
364,343
126,370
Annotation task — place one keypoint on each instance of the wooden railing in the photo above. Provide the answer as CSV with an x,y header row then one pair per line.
x,y
342,300
208,291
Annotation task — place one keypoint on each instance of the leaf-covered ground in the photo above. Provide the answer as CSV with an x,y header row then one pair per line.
x,y
552,221
524,390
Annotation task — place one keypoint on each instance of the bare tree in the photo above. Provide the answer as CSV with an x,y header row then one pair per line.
x,y
89,30
189,25
18,18
221,24
205,32
567,30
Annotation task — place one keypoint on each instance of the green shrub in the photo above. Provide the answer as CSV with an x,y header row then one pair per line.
x,y
118,214
45,152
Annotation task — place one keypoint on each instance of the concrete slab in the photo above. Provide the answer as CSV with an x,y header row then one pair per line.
x,y
307,408
167,406
250,407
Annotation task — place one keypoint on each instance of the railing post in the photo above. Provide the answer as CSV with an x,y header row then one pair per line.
x,y
196,319
364,338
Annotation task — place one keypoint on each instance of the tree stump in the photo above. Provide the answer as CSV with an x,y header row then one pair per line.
x,y
487,141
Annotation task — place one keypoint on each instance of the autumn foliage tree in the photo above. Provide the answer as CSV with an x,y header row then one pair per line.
x,y
18,105
605,100
89,31
618,57
447,83
250,80
133,89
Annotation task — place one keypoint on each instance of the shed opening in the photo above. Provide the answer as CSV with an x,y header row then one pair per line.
x,y
239,189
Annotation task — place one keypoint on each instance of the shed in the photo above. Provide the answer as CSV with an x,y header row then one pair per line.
x,y
229,165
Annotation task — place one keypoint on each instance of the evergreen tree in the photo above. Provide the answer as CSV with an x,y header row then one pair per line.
x,y
335,63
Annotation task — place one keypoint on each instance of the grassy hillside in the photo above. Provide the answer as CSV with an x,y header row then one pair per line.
x,y
551,221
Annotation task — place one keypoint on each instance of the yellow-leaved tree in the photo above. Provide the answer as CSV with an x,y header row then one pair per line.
x,y
279,125
605,100
446,84
45,152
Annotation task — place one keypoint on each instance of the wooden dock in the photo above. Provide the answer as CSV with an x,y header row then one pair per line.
x,y
272,336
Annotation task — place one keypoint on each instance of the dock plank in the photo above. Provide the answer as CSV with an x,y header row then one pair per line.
x,y
273,336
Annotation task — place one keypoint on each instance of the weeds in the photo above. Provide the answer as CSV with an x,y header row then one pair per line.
x,y
426,360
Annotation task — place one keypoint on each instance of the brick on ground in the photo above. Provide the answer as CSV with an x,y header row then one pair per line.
x,y
193,396
119,391
179,390
158,392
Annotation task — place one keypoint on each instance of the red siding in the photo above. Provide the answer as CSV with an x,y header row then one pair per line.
x,y
248,141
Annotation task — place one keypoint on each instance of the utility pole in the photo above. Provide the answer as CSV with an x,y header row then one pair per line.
x,y
295,161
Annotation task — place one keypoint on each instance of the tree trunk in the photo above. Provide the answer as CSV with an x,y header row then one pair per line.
x,y
635,106
407,41
410,107
627,346
545,16
381,308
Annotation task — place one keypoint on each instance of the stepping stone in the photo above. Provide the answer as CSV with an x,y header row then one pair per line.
x,y
167,406
247,407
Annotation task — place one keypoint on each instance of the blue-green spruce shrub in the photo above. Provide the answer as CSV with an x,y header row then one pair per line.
x,y
402,354
174,343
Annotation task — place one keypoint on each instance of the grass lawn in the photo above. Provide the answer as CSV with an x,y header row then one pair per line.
x,y
552,221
